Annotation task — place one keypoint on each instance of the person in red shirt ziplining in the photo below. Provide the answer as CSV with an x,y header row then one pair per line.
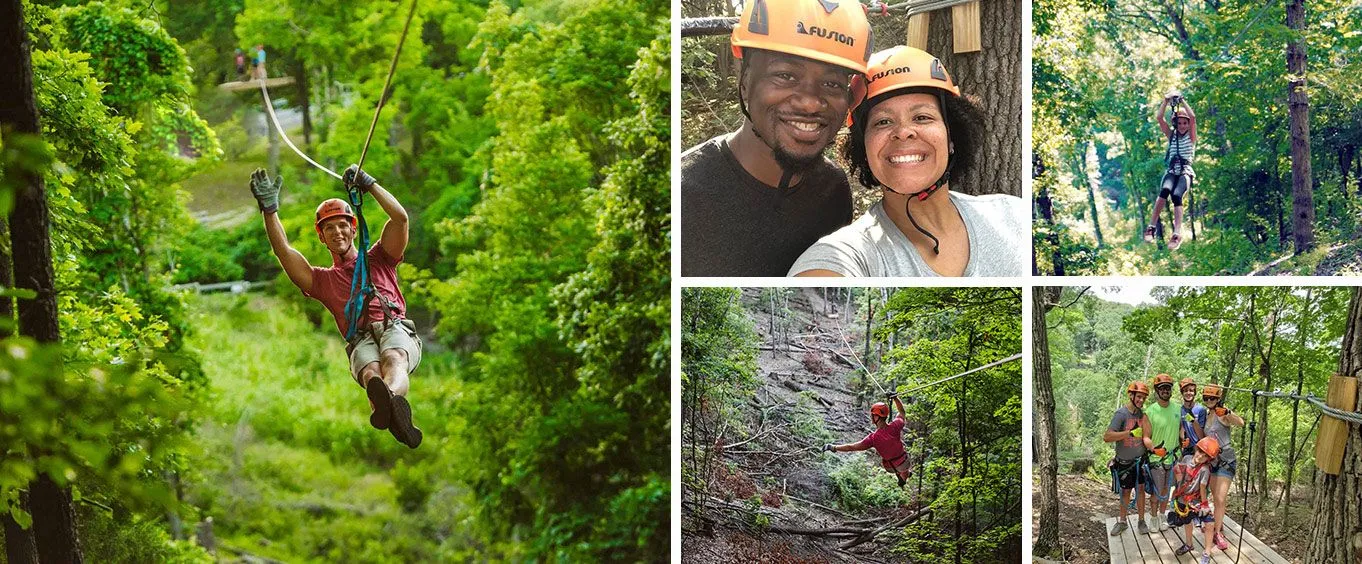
x,y
385,348
886,439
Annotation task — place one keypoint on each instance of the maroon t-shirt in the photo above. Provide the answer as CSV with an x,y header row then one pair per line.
x,y
331,286
888,440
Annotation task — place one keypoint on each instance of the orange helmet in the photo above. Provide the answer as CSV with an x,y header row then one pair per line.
x,y
334,207
1182,385
1163,379
1213,391
831,31
1209,445
905,67
880,410
1137,386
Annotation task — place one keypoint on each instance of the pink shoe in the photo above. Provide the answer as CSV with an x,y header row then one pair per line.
x,y
1220,541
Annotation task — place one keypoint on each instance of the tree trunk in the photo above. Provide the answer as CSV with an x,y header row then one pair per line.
x,y
1336,522
1302,198
1047,497
1091,184
54,523
994,75
1295,405
299,71
869,313
1345,165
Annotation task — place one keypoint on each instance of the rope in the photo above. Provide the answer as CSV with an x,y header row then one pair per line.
x,y
965,373
392,69
269,108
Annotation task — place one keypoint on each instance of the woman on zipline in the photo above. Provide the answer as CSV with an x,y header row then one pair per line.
x,y
1219,420
384,348
886,439
1177,180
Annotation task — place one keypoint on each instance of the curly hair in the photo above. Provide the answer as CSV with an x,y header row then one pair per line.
x,y
965,121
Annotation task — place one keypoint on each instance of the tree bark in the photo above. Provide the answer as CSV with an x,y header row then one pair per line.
x,y
1048,215
54,522
1302,197
1295,405
1336,523
994,76
1088,183
1047,497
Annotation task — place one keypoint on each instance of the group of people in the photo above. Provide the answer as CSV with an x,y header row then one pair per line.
x,y
257,64
1177,452
764,200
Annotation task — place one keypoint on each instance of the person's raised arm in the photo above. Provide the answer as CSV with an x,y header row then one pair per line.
x,y
1191,118
266,192
394,236
1163,123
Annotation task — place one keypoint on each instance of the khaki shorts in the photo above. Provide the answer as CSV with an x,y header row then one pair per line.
x,y
400,335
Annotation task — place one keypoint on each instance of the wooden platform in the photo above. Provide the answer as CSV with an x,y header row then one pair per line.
x,y
255,84
1159,546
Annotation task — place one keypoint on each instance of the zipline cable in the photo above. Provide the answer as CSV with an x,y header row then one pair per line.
x,y
269,109
1348,416
966,373
383,97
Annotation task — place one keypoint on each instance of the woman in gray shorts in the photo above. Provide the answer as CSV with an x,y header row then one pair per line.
x,y
911,135
1219,420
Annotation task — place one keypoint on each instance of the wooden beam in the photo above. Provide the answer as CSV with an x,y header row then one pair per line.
x,y
917,30
241,86
965,27
1333,432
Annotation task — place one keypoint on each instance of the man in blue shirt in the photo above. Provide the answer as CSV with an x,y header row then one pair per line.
x,y
1193,417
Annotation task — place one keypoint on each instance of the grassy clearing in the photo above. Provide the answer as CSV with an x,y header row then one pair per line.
x,y
285,460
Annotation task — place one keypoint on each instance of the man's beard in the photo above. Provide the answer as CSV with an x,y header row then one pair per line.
x,y
793,164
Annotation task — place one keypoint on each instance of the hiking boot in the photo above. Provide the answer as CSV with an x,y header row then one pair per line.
x,y
1142,528
1220,541
1149,234
1118,528
402,427
378,393
1184,549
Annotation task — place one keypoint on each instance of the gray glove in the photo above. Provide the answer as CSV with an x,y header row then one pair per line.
x,y
266,191
353,176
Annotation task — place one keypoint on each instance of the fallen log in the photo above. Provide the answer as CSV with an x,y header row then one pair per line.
x,y
896,524
817,532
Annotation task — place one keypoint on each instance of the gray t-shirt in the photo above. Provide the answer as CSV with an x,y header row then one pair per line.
x,y
997,224
735,225
1130,447
1218,429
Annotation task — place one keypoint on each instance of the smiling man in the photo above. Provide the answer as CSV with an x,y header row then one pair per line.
x,y
754,199
385,347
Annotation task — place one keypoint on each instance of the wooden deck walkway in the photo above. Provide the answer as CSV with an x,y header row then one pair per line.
x,y
255,84
1159,546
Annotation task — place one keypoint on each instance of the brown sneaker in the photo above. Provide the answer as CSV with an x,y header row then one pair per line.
x,y
382,399
402,427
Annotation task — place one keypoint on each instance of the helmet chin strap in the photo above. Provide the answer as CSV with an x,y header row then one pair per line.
x,y
942,181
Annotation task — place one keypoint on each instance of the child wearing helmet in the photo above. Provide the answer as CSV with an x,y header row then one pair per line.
x,y
1191,502
886,439
1177,180
912,135
385,348
754,199
1127,428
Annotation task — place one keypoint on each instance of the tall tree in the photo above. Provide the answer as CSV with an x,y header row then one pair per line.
x,y
1302,198
994,75
1047,497
54,521
1338,498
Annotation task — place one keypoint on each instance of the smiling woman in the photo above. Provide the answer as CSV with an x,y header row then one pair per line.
x,y
911,135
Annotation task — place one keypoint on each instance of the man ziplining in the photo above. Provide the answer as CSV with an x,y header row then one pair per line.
x,y
1177,180
383,348
886,439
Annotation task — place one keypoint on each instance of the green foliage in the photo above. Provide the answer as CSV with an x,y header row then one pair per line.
x,y
861,483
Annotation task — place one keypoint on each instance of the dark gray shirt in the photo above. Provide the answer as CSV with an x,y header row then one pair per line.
x,y
735,225
1130,447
